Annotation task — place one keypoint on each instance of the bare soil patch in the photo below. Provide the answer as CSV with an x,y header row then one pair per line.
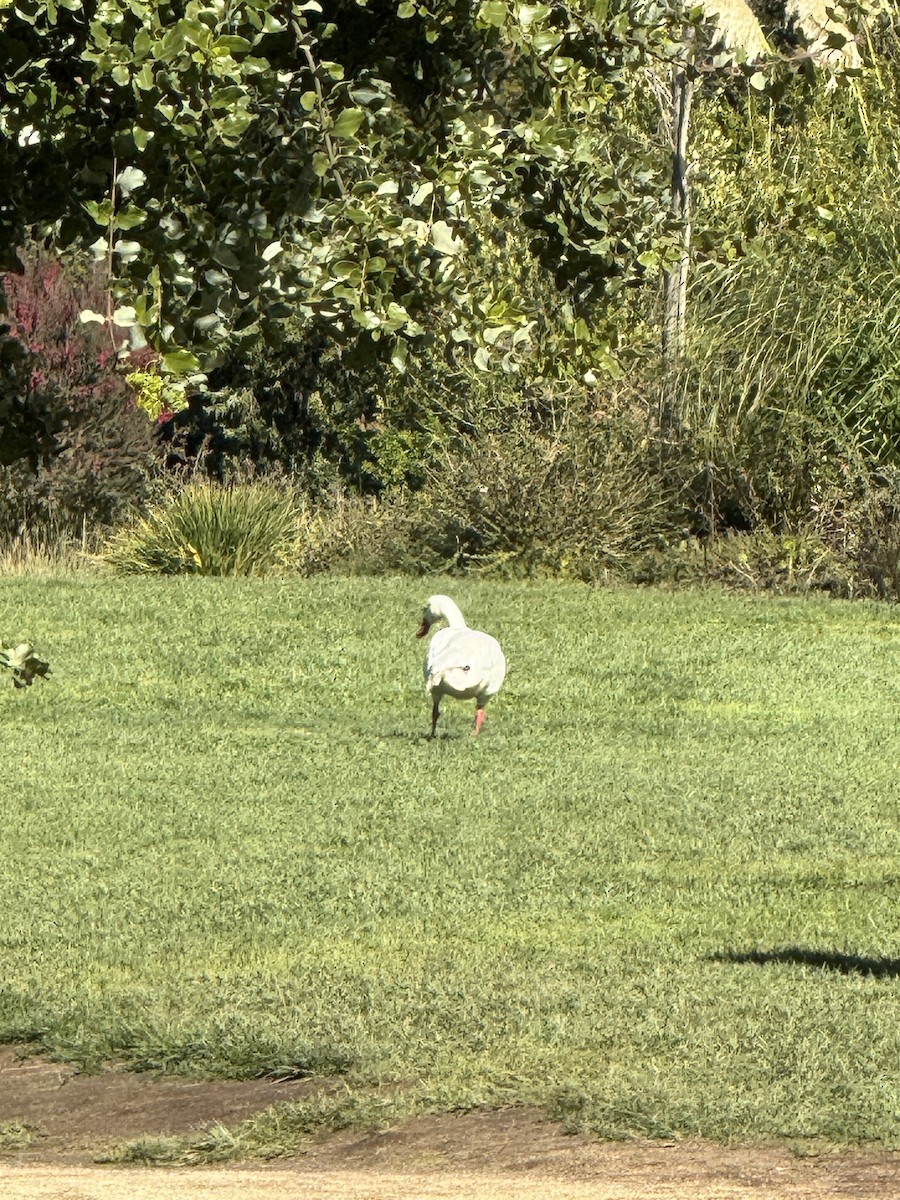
x,y
475,1156
74,1117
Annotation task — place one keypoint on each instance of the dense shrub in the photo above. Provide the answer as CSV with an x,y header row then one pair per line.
x,y
870,539
74,450
587,502
302,406
785,407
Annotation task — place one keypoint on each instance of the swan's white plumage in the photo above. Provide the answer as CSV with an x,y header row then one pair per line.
x,y
461,662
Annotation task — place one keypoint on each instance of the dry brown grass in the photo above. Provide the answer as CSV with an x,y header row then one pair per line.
x,y
38,553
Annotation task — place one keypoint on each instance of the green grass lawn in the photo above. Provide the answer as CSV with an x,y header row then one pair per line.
x,y
228,847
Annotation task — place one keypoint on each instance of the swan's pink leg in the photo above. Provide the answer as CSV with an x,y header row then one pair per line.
x,y
479,718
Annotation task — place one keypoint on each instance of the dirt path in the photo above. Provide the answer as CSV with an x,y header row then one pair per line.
x,y
633,1172
507,1155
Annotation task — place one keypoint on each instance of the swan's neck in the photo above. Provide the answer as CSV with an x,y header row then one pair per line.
x,y
450,612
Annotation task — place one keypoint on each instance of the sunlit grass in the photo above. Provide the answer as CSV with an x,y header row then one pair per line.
x,y
228,847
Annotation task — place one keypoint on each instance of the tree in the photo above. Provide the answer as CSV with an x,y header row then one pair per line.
x,y
236,162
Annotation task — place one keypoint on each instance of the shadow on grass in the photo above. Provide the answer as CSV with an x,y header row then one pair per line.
x,y
424,738
825,960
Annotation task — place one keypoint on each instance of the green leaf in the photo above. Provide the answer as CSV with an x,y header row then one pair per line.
x,y
348,122
366,319
529,13
144,80
207,323
443,240
127,251
236,124
421,194
366,95
546,41
225,257
253,65
172,44
130,180
100,212
143,43
195,33
228,96
493,12
124,317
231,44
180,362
399,353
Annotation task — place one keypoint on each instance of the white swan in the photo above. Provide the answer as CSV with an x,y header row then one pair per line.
x,y
461,662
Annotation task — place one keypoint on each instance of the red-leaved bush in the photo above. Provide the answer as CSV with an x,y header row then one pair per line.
x,y
74,449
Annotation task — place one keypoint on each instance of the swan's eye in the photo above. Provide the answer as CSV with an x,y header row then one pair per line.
x,y
465,668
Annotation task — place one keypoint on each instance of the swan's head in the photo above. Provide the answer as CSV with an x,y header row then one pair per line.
x,y
437,608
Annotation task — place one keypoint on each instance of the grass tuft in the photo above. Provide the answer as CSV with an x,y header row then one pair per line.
x,y
49,553
210,529
284,1130
15,1136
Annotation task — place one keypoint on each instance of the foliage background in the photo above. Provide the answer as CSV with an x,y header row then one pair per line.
x,y
420,257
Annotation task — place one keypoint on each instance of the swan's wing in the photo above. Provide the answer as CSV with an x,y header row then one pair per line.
x,y
469,661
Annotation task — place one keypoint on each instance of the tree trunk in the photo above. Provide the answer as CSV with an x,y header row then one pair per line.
x,y
677,279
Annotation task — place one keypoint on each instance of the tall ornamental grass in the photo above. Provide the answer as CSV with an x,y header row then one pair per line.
x,y
210,529
785,406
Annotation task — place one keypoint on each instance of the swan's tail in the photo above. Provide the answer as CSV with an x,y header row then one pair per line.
x,y
432,680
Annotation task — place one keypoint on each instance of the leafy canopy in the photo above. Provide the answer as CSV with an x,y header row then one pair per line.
x,y
237,161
